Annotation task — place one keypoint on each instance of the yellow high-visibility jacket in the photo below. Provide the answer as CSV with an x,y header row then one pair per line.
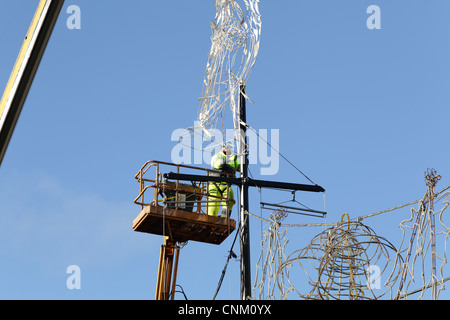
x,y
227,164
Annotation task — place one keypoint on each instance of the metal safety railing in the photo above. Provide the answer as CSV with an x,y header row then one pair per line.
x,y
193,196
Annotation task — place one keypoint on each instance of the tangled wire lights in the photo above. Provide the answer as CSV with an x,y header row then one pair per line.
x,y
348,260
272,257
344,262
234,48
427,244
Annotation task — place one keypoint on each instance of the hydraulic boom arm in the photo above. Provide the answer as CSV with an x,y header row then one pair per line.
x,y
25,68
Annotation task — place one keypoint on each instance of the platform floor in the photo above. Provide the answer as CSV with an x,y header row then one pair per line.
x,y
181,225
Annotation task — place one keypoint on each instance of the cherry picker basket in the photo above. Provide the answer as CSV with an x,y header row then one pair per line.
x,y
178,210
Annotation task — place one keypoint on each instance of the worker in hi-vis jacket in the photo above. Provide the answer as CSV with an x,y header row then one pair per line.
x,y
228,164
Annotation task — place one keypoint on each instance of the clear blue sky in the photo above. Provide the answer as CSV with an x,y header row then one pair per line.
x,y
362,112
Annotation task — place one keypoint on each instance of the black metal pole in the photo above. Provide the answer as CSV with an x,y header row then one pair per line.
x,y
244,224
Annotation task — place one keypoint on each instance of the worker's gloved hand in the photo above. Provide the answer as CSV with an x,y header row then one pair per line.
x,y
228,169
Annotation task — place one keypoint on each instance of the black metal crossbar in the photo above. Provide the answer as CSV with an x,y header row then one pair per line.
x,y
248,181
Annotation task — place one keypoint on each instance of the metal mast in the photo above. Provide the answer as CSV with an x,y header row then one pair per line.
x,y
244,224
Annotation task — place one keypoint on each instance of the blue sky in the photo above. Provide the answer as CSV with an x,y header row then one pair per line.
x,y
362,112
